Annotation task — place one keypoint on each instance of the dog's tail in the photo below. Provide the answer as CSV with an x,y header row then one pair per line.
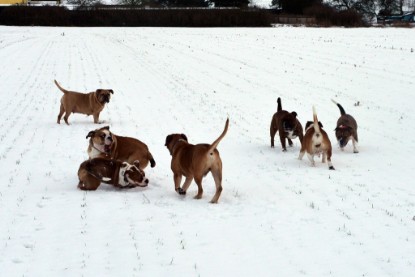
x,y
216,142
151,159
279,105
59,87
315,122
342,112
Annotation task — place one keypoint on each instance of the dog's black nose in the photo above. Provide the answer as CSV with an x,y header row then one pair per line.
x,y
146,181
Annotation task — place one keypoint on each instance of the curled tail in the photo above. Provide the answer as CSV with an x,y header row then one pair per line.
x,y
151,159
315,121
342,112
279,105
59,87
216,142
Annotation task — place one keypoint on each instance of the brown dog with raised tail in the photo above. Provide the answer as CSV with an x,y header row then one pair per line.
x,y
288,126
316,142
346,129
194,162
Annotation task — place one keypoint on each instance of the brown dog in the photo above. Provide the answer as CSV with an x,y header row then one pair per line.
x,y
119,174
103,143
346,129
288,126
316,142
195,161
84,103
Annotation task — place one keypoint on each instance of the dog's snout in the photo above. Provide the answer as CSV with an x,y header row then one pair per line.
x,y
146,181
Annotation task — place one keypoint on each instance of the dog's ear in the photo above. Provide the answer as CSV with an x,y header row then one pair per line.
x,y
90,134
98,90
111,91
294,114
168,139
320,124
106,128
308,124
184,137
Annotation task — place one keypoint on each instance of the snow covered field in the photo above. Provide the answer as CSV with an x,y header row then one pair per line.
x,y
277,216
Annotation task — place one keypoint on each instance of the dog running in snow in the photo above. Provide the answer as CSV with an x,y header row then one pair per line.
x,y
346,129
316,142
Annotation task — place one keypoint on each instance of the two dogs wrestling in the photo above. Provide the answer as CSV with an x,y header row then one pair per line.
x,y
116,160
315,141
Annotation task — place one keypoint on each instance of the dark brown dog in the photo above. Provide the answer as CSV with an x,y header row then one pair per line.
x,y
84,103
103,143
194,162
346,129
93,172
288,126
316,142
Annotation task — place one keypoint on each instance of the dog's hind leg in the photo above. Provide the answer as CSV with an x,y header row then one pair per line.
x,y
62,110
217,176
186,184
311,158
67,114
290,142
198,181
355,143
331,167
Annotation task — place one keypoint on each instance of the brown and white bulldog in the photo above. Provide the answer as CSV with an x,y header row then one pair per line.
x,y
194,162
346,129
288,126
316,142
84,103
92,173
103,143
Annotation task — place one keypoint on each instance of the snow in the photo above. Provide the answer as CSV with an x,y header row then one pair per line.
x,y
277,216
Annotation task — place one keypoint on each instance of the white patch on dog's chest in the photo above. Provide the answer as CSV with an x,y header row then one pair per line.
x,y
93,153
291,135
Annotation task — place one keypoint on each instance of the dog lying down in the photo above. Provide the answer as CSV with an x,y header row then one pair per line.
x,y
119,174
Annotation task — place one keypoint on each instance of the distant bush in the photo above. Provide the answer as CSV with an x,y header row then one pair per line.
x,y
110,16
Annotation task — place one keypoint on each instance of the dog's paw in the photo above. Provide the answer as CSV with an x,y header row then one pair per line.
x,y
331,168
284,150
181,191
355,151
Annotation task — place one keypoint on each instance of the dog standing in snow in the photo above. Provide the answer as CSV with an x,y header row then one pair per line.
x,y
84,103
316,142
194,162
346,129
288,126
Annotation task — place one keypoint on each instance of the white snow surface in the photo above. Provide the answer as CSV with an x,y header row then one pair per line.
x,y
277,215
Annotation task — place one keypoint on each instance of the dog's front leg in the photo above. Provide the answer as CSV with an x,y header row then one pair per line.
x,y
96,118
282,139
177,180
